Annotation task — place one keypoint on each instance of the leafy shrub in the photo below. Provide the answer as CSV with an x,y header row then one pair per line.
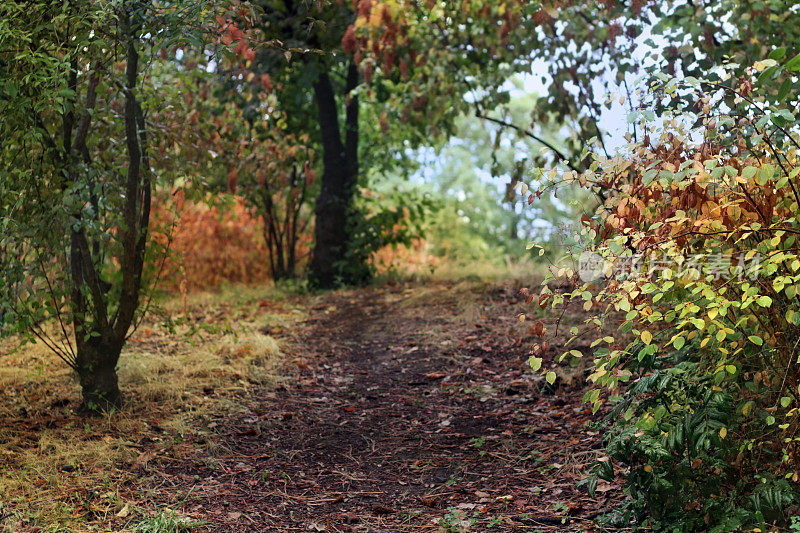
x,y
695,312
211,244
378,222
416,259
222,241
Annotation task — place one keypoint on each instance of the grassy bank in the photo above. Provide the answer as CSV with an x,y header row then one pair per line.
x,y
192,360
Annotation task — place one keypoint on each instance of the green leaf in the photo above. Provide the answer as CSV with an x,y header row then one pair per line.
x,y
764,301
793,64
783,92
550,377
749,171
755,339
778,53
786,401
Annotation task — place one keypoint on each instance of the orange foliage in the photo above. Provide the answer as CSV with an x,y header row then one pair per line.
x,y
211,245
415,259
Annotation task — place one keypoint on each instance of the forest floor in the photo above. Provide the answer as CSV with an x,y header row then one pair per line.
x,y
412,410
405,407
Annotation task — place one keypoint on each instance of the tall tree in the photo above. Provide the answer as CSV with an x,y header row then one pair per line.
x,y
409,64
76,176
295,44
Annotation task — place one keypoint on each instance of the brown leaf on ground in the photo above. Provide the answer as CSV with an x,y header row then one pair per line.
x,y
401,450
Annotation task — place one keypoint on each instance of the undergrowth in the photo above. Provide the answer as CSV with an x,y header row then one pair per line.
x,y
191,362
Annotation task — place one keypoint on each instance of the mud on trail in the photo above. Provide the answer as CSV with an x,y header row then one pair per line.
x,y
410,410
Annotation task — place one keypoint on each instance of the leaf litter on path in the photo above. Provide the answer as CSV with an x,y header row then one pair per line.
x,y
419,414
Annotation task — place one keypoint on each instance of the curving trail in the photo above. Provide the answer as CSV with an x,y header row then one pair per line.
x,y
410,411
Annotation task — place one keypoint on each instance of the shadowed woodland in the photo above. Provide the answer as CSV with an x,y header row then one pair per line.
x,y
399,265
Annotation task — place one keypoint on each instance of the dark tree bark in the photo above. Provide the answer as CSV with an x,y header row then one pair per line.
x,y
99,337
281,231
97,373
330,261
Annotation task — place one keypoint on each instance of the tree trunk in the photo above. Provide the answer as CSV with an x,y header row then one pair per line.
x,y
330,262
99,338
97,372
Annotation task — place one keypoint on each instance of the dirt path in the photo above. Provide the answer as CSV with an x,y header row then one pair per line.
x,y
412,412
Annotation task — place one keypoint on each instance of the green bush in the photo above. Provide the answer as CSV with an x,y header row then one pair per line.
x,y
377,221
695,299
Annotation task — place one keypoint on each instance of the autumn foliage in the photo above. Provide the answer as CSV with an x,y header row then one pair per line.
x,y
212,243
414,260
694,315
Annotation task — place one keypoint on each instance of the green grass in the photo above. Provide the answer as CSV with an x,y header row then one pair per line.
x,y
166,521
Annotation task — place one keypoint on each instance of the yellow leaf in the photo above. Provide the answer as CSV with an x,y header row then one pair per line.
x,y
723,432
375,16
647,337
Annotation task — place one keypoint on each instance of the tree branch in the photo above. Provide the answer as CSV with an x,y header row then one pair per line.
x,y
532,135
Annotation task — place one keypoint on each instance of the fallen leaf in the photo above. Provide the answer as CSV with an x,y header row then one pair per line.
x,y
350,518
143,459
604,487
428,501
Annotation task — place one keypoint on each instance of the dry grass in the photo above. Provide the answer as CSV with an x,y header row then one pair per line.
x,y
195,360
60,471
522,271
